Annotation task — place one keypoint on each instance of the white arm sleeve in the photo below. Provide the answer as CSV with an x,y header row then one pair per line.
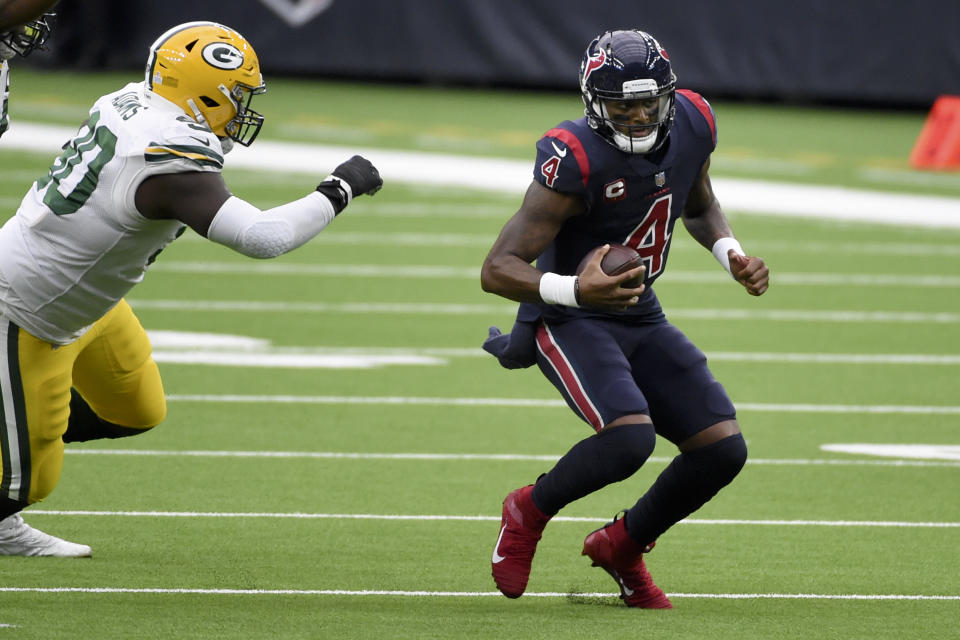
x,y
268,234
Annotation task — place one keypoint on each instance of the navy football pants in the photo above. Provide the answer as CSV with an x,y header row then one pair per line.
x,y
606,369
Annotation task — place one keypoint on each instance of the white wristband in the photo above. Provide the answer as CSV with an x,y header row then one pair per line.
x,y
557,289
720,249
343,185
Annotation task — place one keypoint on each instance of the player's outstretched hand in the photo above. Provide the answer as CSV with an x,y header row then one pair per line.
x,y
362,176
352,178
750,271
600,291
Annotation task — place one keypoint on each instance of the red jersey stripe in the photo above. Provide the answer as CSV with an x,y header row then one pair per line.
x,y
703,108
574,145
568,377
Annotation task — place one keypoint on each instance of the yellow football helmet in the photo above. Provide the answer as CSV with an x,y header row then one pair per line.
x,y
211,72
28,37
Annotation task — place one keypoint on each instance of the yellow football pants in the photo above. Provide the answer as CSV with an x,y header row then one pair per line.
x,y
111,367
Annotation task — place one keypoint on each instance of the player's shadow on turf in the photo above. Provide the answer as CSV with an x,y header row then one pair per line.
x,y
596,601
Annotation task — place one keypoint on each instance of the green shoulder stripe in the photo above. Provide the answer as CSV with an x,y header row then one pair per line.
x,y
203,156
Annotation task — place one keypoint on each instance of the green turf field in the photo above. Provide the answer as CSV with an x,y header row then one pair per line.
x,y
308,501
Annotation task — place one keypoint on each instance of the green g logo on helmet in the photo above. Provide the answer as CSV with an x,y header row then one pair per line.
x,y
223,55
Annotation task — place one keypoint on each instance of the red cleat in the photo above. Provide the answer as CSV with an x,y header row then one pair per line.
x,y
520,529
618,554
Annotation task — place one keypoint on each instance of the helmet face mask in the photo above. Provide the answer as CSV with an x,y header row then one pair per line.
x,y
212,73
628,89
247,123
634,124
29,37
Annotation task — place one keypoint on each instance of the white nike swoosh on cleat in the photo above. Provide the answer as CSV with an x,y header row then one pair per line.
x,y
627,592
496,556
562,154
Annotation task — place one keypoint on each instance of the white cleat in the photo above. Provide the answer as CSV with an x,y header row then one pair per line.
x,y
17,538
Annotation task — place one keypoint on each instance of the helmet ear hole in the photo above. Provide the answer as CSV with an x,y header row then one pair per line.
x,y
209,102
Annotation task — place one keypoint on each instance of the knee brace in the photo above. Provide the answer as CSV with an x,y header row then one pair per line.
x,y
721,460
610,456
623,450
684,486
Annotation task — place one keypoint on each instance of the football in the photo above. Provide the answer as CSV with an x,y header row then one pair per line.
x,y
619,259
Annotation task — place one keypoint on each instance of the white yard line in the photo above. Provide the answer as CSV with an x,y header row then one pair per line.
x,y
360,308
865,248
456,518
341,270
790,315
408,238
469,594
850,408
174,341
546,403
483,457
473,273
381,308
679,244
833,358
513,177
286,360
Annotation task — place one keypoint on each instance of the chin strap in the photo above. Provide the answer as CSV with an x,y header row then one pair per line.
x,y
631,144
197,115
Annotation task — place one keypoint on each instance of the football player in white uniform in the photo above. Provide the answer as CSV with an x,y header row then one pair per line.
x,y
24,26
75,363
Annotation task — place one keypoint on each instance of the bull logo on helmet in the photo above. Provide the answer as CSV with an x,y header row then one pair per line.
x,y
594,62
223,55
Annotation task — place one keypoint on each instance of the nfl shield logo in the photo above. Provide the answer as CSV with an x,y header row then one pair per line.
x,y
660,179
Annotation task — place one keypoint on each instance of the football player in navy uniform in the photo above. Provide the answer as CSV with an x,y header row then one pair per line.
x,y
75,363
24,27
625,173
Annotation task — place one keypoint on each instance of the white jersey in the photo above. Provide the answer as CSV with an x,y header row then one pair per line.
x,y
78,244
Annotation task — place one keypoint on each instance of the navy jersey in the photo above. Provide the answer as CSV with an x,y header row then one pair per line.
x,y
630,199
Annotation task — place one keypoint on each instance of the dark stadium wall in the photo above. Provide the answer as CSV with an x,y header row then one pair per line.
x,y
881,52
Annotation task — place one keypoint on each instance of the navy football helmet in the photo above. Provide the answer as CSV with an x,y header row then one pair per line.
x,y
28,37
623,73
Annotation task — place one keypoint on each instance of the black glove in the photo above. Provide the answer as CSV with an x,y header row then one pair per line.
x,y
359,176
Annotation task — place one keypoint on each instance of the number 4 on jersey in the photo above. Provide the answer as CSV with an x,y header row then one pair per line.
x,y
550,169
652,235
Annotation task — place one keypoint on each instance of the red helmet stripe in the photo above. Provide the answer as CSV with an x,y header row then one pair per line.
x,y
574,145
